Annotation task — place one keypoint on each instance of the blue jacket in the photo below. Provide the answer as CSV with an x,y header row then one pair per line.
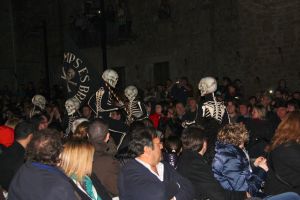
x,y
232,169
35,181
136,182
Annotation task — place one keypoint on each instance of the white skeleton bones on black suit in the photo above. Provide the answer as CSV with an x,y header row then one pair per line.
x,y
136,109
211,108
72,106
101,102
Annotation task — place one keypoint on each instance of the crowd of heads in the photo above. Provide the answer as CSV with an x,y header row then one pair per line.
x,y
162,135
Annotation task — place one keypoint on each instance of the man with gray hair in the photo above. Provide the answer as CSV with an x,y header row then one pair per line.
x,y
105,166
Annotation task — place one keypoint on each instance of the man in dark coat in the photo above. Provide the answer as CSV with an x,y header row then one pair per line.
x,y
39,178
192,165
105,166
145,177
13,156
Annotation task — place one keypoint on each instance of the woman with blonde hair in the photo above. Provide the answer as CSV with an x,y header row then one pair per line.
x,y
284,157
77,162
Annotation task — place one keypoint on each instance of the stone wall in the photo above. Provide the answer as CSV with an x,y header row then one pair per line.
x,y
256,41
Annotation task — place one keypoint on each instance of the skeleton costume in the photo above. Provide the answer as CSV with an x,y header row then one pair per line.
x,y
39,104
211,108
136,109
72,106
101,102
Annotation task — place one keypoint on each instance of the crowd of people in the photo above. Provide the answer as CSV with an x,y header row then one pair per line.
x,y
168,142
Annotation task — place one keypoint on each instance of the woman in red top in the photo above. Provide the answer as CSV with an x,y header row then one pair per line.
x,y
155,117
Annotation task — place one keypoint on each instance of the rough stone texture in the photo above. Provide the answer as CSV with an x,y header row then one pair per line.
x,y
235,38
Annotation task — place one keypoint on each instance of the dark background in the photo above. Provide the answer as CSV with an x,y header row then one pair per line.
x,y
149,41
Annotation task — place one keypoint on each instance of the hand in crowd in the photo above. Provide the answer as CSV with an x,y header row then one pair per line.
x,y
262,163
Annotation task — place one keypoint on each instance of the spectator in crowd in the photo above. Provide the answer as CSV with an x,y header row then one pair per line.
x,y
6,136
13,157
105,167
292,105
87,112
76,123
231,165
7,132
266,101
76,162
244,111
181,90
223,87
193,166
180,112
192,112
39,178
281,111
155,117
172,150
145,177
252,100
296,95
231,93
261,131
232,111
282,87
81,130
40,121
284,160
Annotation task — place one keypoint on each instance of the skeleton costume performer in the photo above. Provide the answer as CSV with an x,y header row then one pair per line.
x,y
211,108
72,106
101,102
136,109
39,104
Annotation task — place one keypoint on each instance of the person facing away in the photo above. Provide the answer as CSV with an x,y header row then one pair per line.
x,y
146,177
284,157
193,166
231,164
76,162
105,166
13,157
39,178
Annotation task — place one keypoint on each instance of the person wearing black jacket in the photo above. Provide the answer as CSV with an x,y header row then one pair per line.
x,y
192,166
284,157
13,157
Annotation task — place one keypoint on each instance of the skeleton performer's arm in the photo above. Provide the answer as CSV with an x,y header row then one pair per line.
x,y
105,104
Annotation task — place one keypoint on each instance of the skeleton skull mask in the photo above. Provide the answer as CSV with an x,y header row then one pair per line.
x,y
72,105
131,92
207,85
39,101
111,77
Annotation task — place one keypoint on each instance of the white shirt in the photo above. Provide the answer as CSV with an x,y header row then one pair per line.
x,y
159,167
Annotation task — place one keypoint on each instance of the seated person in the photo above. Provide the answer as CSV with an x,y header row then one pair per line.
x,y
145,177
77,162
39,178
231,164
172,150
13,157
193,166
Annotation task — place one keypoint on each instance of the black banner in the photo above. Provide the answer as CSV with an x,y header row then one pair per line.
x,y
78,76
